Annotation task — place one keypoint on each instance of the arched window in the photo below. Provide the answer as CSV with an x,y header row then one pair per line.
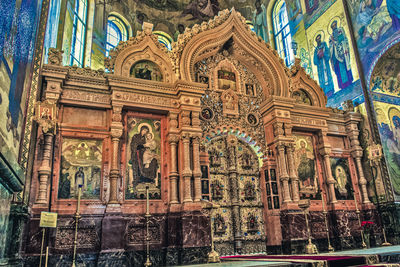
x,y
79,33
117,31
164,38
283,38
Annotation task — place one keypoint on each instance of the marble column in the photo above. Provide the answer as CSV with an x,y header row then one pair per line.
x,y
116,133
187,172
284,177
45,168
196,168
362,181
293,173
357,153
173,174
328,174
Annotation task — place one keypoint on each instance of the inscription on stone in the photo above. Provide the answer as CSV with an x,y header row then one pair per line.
x,y
85,96
308,121
143,99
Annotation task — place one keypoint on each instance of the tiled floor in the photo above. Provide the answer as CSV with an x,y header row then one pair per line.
x,y
377,250
242,264
371,251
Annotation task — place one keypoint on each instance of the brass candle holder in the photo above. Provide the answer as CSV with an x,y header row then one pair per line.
x,y
359,221
147,216
385,243
213,256
311,248
77,217
324,211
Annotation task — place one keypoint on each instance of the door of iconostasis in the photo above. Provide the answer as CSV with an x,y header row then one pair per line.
x,y
237,225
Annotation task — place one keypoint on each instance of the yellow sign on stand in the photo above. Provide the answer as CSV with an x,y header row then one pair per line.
x,y
48,219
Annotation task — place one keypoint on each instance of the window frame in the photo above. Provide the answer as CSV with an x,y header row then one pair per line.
x,y
118,24
282,35
74,42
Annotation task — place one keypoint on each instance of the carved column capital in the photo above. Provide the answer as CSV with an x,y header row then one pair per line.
x,y
173,139
185,118
196,119
116,113
173,121
116,130
185,137
278,128
288,129
325,151
53,90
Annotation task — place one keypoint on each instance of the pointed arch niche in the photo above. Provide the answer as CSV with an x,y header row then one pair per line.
x,y
207,39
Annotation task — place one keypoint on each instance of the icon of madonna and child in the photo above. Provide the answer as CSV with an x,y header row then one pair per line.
x,y
143,158
391,146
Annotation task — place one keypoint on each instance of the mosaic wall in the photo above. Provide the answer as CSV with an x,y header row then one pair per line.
x,y
388,117
5,200
143,156
18,24
322,42
376,25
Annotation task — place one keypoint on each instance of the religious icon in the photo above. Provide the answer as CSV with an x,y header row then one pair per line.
x,y
269,201
204,187
203,79
250,89
146,70
252,224
219,224
273,174
340,54
246,159
206,114
226,80
268,189
305,164
249,191
214,157
144,155
341,174
81,164
260,20
217,190
276,202
302,97
252,119
321,60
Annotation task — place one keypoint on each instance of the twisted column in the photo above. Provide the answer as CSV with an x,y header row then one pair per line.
x,y
293,173
284,177
187,172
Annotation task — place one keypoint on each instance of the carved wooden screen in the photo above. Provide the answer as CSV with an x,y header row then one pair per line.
x,y
237,225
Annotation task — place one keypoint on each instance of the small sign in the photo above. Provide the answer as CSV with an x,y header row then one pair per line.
x,y
48,219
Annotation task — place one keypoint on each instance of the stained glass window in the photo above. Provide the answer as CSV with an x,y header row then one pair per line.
x,y
117,31
79,33
283,38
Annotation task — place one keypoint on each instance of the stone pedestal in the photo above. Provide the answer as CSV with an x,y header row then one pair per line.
x,y
346,229
112,232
